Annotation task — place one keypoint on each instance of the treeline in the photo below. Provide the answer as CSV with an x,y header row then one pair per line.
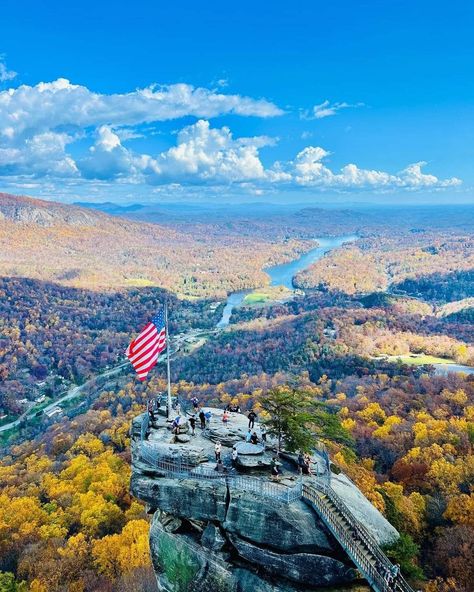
x,y
50,332
440,287
301,335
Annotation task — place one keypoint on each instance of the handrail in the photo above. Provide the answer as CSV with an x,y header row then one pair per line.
x,y
180,467
356,540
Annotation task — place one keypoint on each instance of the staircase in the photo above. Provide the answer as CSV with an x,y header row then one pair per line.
x,y
355,539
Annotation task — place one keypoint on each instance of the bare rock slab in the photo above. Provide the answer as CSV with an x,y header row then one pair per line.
x,y
186,498
284,527
302,568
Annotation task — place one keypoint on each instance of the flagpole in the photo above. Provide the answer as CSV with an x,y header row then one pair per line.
x,y
168,359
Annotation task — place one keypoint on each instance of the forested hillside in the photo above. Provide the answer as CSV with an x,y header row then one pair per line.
x,y
81,248
436,265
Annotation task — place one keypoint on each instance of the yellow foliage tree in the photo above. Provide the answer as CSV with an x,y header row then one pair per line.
x,y
119,554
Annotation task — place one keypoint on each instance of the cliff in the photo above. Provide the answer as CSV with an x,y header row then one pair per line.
x,y
240,532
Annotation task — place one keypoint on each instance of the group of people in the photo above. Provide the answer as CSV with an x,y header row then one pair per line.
x,y
252,437
204,421
304,463
233,408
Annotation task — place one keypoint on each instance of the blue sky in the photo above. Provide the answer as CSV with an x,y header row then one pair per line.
x,y
147,100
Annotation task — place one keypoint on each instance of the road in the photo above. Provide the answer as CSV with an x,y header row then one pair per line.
x,y
76,390
72,392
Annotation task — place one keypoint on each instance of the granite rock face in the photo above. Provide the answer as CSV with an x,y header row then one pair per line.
x,y
302,568
216,535
182,565
280,526
184,498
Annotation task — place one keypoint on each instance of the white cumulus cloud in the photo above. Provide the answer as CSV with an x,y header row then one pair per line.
x,y
310,171
202,154
43,154
58,130
51,105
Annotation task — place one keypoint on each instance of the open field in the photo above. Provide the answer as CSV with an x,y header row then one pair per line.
x,y
418,359
267,295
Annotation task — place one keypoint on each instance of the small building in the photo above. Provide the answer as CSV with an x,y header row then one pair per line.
x,y
54,412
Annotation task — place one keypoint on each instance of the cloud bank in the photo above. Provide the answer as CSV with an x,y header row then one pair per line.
x,y
59,133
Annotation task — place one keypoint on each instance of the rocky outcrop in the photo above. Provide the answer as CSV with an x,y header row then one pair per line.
x,y
280,526
185,498
218,535
302,568
183,565
26,210
378,526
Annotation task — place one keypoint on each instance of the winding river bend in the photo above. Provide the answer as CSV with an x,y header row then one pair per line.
x,y
283,274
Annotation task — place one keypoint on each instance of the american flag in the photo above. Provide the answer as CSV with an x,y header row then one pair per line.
x,y
143,352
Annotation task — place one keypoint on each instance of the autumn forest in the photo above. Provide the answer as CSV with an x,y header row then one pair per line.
x,y
370,333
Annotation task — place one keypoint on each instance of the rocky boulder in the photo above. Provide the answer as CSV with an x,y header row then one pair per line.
x,y
185,498
227,435
182,565
247,449
254,462
212,538
378,526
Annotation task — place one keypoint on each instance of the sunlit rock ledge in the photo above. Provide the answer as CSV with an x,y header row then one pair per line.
x,y
218,534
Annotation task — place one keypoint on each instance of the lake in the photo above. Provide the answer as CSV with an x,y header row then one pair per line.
x,y
283,274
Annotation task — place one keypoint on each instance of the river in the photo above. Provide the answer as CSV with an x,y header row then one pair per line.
x,y
444,369
283,274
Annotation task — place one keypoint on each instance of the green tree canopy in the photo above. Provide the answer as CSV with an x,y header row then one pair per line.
x,y
295,419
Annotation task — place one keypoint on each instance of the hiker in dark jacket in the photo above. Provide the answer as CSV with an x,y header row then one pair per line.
x,y
252,417
202,419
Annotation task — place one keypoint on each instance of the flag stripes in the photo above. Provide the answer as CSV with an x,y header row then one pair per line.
x,y
144,351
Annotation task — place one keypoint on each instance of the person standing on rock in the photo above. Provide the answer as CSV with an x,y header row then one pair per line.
x,y
195,402
248,437
208,416
202,418
192,423
263,432
218,450
151,411
275,469
225,417
252,417
300,462
235,454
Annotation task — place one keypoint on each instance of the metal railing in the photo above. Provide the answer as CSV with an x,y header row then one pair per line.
x,y
180,467
355,539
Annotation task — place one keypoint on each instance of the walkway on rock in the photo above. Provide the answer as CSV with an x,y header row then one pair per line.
x,y
316,491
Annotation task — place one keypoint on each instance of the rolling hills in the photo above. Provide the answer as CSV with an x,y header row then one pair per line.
x,y
83,248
